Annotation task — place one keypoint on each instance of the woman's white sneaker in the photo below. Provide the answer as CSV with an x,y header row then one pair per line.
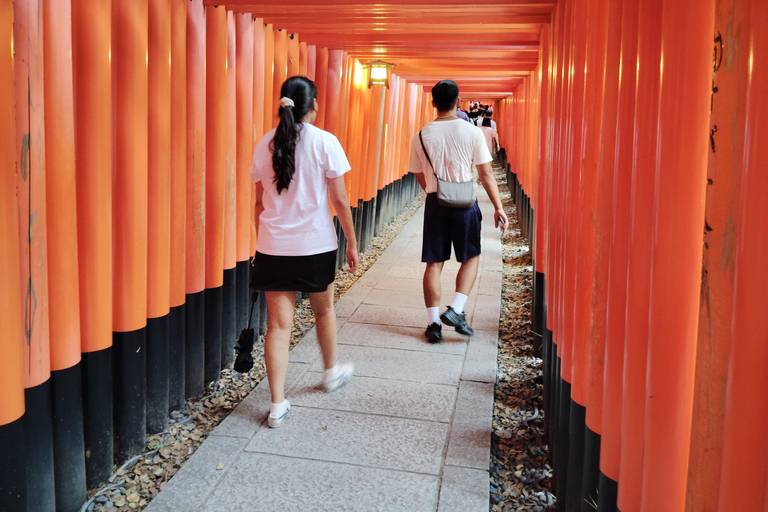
x,y
338,376
278,413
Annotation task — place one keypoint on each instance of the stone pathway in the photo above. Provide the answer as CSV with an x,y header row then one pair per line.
x,y
411,431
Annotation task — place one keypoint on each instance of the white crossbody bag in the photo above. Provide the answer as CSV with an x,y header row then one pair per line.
x,y
451,194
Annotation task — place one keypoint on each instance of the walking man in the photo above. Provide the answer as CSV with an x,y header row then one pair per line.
x,y
450,148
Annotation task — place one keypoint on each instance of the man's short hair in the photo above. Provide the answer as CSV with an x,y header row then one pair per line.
x,y
489,112
445,94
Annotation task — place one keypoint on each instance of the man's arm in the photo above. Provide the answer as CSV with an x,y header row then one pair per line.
x,y
422,180
491,187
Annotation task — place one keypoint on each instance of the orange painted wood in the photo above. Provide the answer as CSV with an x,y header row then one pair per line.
x,y
245,131
745,447
159,153
321,81
539,250
270,107
215,143
231,185
294,54
280,71
61,193
726,157
333,89
31,179
639,264
610,452
196,146
681,173
593,231
11,357
303,58
178,167
91,38
259,99
312,62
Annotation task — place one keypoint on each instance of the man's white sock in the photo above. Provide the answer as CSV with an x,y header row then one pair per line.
x,y
458,302
433,314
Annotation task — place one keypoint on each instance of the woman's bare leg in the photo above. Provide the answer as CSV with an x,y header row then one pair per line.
x,y
325,318
280,306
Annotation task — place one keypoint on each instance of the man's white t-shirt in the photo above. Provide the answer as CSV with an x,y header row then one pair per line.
x,y
298,221
454,146
479,122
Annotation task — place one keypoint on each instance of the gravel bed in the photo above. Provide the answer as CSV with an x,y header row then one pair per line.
x,y
520,471
134,484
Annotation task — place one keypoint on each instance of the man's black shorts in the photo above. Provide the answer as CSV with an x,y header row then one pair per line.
x,y
444,226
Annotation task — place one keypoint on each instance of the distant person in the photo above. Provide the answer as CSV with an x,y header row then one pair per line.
x,y
490,134
450,149
462,115
295,166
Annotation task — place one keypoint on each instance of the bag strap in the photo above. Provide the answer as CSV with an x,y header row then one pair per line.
x,y
250,315
424,148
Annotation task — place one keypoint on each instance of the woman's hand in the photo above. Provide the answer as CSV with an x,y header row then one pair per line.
x,y
353,259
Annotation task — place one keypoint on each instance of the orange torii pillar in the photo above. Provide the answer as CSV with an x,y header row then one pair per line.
x,y
13,475
129,220
229,296
159,214
280,53
333,90
215,182
563,337
574,286
32,236
321,81
745,446
678,216
620,119
63,278
593,268
195,202
303,59
178,170
92,29
733,22
294,54
262,101
312,62
244,91
639,263
269,106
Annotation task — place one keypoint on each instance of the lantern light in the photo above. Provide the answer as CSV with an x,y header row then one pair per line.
x,y
379,74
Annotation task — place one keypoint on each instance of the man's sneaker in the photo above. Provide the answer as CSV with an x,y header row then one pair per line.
x,y
457,320
434,333
345,373
276,421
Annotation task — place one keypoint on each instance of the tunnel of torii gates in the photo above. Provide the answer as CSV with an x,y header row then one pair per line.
x,y
634,140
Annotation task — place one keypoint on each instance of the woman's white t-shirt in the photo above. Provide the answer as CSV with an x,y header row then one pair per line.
x,y
298,221
454,147
489,133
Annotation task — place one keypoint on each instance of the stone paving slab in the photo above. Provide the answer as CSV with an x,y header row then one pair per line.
x,y
197,477
411,366
362,439
464,490
411,431
270,483
416,400
399,337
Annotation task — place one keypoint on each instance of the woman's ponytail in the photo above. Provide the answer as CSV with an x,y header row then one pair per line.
x,y
297,100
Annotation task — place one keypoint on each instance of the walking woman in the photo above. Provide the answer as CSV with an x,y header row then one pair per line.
x,y
295,166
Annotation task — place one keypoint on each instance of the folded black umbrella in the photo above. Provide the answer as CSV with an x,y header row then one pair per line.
x,y
244,359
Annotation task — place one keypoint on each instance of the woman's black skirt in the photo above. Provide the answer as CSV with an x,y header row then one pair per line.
x,y
309,274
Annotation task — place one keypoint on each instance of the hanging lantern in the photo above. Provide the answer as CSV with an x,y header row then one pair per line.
x,y
379,74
